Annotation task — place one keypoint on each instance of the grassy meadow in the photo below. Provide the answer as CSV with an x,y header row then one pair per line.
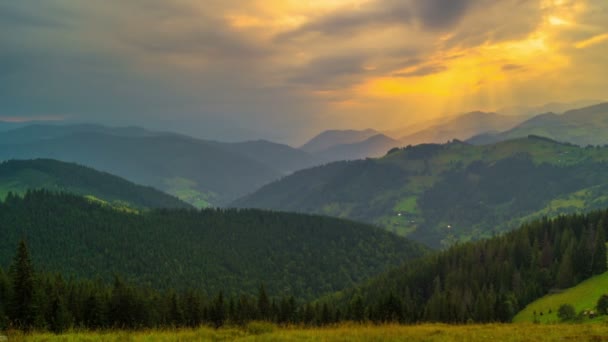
x,y
348,332
583,296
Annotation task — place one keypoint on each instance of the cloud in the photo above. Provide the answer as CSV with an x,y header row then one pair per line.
x,y
422,71
511,67
428,14
597,39
287,69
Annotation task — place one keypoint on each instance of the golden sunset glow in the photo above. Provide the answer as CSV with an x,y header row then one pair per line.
x,y
322,63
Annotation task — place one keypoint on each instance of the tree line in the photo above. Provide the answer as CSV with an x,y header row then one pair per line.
x,y
32,300
489,280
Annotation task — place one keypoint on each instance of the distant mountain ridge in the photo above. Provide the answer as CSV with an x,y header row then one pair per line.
x,y
331,138
198,171
462,127
584,126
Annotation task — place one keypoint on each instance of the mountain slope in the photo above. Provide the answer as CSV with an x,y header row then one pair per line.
x,y
230,250
200,172
19,176
328,139
462,127
438,194
585,126
583,296
282,157
486,281
375,146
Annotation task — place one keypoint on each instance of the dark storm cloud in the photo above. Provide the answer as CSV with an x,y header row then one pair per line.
x,y
429,14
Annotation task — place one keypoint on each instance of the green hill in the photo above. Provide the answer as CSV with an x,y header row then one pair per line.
x,y
19,176
230,250
438,194
583,296
489,280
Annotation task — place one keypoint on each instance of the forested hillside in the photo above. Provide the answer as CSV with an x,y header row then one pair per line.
x,y
19,176
232,250
485,281
439,194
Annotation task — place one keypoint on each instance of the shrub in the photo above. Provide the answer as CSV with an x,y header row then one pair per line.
x,y
566,312
602,305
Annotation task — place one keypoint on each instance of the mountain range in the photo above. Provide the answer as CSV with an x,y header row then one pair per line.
x,y
439,194
198,171
585,126
336,145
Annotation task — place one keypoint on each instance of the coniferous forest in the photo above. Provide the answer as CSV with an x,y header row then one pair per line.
x,y
210,249
485,281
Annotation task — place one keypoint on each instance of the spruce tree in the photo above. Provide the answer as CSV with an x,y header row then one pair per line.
x,y
565,274
4,296
60,317
263,304
22,307
599,255
218,311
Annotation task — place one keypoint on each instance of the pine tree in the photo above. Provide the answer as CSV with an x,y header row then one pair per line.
x,y
217,312
565,273
193,309
60,317
93,312
4,296
176,316
357,309
263,304
599,255
22,309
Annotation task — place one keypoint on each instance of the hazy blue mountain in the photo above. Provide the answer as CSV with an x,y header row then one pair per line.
x,y
552,107
282,157
372,147
37,132
580,126
331,138
462,127
197,171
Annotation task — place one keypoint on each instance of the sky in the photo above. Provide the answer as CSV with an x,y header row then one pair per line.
x,y
285,70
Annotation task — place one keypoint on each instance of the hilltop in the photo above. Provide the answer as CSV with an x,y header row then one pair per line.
x,y
19,176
